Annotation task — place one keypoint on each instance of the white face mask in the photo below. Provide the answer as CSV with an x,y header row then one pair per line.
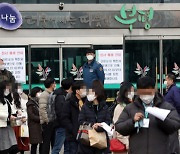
x,y
6,92
147,99
90,57
130,95
20,91
38,94
83,94
91,97
2,67
165,82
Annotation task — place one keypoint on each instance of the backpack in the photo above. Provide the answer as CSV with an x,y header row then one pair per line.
x,y
51,107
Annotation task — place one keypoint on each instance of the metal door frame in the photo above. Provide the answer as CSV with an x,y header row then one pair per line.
x,y
160,38
60,46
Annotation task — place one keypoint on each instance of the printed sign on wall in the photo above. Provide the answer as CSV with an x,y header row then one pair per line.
x,y
14,59
112,61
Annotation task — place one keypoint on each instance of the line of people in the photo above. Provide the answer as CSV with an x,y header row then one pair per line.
x,y
141,132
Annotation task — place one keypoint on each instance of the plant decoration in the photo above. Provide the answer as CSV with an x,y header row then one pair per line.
x,y
42,72
176,70
140,71
77,73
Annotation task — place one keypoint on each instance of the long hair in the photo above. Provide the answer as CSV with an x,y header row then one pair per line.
x,y
124,88
2,89
17,100
97,86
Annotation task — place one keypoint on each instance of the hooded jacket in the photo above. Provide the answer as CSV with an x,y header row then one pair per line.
x,y
59,103
152,140
70,116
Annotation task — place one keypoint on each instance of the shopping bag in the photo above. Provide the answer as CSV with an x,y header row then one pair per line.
x,y
117,146
24,131
82,135
97,139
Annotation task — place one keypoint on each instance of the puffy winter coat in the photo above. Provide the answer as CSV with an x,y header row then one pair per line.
x,y
89,116
152,140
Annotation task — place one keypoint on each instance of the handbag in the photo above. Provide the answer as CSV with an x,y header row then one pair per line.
x,y
97,139
24,131
117,146
82,135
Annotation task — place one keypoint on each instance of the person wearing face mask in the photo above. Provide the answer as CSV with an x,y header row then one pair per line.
x,y
20,91
6,75
48,131
8,143
65,89
71,109
92,70
125,97
93,112
35,132
19,109
147,133
172,96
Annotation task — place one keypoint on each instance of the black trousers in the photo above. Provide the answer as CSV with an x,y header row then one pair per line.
x,y
34,148
48,135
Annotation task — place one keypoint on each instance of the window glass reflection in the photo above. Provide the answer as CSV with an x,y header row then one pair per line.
x,y
141,54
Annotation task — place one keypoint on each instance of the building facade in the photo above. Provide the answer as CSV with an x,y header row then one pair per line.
x,y
56,35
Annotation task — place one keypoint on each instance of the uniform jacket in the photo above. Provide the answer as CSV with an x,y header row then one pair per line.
x,y
89,116
173,96
43,100
35,131
93,71
152,140
70,117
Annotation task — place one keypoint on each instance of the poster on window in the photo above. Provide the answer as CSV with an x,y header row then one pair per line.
x,y
112,61
14,59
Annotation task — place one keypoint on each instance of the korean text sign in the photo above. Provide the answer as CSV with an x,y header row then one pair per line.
x,y
10,17
112,61
14,59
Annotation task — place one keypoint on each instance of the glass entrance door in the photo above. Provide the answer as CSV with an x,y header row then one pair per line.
x,y
171,57
73,56
141,58
160,55
44,61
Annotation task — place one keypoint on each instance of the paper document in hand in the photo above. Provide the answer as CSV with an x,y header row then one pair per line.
x,y
157,112
107,128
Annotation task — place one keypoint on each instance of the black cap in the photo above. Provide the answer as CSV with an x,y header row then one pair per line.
x,y
89,50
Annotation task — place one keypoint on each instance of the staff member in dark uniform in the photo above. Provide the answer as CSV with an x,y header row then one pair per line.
x,y
92,70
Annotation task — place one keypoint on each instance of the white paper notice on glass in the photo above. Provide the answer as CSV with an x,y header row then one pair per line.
x,y
157,112
107,128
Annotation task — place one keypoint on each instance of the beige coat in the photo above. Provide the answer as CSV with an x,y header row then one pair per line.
x,y
124,139
43,100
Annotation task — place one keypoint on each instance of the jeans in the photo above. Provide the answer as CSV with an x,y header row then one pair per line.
x,y
71,147
59,140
